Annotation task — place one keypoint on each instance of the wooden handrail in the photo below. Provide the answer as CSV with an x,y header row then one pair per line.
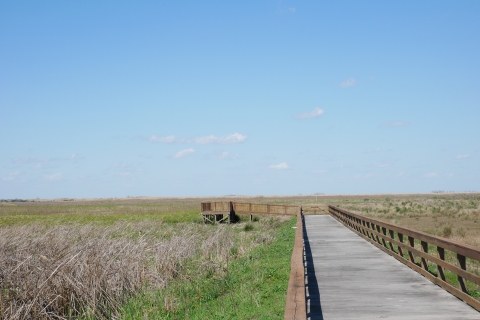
x,y
248,208
380,233
295,307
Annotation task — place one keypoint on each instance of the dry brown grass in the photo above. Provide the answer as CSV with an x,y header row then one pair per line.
x,y
453,216
88,270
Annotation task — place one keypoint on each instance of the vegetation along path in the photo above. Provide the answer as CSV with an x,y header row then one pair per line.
x,y
349,278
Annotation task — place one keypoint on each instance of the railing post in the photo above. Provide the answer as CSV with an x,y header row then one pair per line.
x,y
392,236
411,243
384,231
400,250
462,263
424,249
441,256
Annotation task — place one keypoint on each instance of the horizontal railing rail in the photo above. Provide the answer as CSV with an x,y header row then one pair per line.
x,y
248,208
295,307
400,243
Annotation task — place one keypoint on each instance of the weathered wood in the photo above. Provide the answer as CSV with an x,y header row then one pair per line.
x,y
439,261
463,249
241,208
356,280
441,256
461,271
295,307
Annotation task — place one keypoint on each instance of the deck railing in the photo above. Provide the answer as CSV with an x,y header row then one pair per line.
x,y
248,208
295,308
415,249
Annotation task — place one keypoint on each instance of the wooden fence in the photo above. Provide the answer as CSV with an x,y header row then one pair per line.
x,y
295,308
412,248
247,208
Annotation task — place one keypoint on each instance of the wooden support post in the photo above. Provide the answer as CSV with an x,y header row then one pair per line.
x,y
462,263
400,250
384,231
377,227
424,249
231,215
392,236
441,256
411,243
251,218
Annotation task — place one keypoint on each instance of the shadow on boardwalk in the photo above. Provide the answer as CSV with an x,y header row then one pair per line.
x,y
314,311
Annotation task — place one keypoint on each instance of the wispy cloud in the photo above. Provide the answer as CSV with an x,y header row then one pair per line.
x,y
292,10
53,177
317,112
184,153
350,82
27,160
396,124
211,139
384,164
320,171
431,175
11,176
374,150
39,162
223,155
463,156
279,166
168,139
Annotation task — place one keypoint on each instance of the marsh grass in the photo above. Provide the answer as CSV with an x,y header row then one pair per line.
x,y
65,261
251,286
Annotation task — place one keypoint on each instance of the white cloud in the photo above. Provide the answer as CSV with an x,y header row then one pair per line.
x,y
11,176
363,176
224,154
292,10
211,139
317,112
431,175
53,177
30,160
396,124
184,153
168,139
463,156
384,164
350,82
279,166
374,150
320,171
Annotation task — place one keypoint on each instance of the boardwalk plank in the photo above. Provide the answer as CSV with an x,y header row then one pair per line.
x,y
349,278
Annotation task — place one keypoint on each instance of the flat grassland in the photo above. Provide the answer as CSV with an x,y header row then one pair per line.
x,y
138,258
153,258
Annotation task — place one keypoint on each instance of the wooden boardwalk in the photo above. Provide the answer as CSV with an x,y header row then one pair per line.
x,y
349,278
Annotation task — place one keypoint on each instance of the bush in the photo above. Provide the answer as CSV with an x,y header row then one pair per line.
x,y
248,227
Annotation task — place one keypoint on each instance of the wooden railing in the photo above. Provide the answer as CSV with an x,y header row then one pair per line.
x,y
412,248
224,206
248,208
295,307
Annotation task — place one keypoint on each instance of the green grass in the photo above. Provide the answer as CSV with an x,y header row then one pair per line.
x,y
251,287
101,214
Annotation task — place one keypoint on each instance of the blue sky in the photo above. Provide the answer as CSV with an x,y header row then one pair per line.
x,y
162,98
